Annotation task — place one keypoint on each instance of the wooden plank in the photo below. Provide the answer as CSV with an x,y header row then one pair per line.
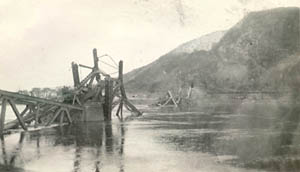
x,y
12,124
86,79
172,98
84,66
24,111
21,114
61,119
132,107
115,103
119,109
2,117
36,116
98,94
54,117
91,81
19,117
73,102
37,99
68,116
169,99
76,99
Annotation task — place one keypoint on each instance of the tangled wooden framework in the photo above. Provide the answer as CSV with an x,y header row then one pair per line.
x,y
110,92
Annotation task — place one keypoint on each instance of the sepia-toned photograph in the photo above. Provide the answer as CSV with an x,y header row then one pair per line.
x,y
150,86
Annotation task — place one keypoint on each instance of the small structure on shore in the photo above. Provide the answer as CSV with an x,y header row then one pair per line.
x,y
93,99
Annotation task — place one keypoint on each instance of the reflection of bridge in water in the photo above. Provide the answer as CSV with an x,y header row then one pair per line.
x,y
87,145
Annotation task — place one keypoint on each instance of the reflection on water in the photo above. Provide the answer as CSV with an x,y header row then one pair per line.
x,y
82,146
251,139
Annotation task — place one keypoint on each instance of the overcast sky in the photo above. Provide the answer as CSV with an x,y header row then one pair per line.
x,y
39,39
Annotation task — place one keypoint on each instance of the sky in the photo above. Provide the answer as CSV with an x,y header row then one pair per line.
x,y
40,39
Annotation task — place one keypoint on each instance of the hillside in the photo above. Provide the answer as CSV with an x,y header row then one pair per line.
x,y
241,60
205,42
156,75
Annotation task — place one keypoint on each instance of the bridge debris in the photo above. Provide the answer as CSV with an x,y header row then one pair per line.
x,y
91,96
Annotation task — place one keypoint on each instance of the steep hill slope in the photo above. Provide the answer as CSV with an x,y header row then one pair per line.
x,y
257,43
205,42
241,60
159,75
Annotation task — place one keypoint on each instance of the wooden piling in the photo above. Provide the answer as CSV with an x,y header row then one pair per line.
x,y
75,74
122,89
108,98
36,116
96,66
2,117
95,59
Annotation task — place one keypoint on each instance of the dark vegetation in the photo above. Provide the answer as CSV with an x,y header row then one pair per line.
x,y
61,94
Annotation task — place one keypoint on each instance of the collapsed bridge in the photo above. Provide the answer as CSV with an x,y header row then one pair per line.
x,y
93,99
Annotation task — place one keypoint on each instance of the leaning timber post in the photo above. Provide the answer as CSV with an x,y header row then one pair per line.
x,y
2,117
96,66
19,117
67,111
61,117
124,99
57,112
75,74
122,89
121,108
108,98
36,116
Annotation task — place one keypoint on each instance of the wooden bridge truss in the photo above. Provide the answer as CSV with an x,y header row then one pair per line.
x,y
110,92
41,111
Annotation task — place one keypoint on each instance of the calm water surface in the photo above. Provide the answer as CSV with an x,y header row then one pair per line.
x,y
175,142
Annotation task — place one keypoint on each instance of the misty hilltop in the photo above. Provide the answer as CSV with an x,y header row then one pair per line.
x,y
261,52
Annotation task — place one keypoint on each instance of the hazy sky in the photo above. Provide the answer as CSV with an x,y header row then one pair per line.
x,y
39,39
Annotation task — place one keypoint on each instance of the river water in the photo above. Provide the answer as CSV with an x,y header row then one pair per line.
x,y
256,138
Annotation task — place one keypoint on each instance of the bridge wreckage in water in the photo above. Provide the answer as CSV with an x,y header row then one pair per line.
x,y
93,99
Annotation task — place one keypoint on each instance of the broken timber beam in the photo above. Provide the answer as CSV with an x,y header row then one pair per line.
x,y
172,98
123,94
37,99
58,111
19,117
